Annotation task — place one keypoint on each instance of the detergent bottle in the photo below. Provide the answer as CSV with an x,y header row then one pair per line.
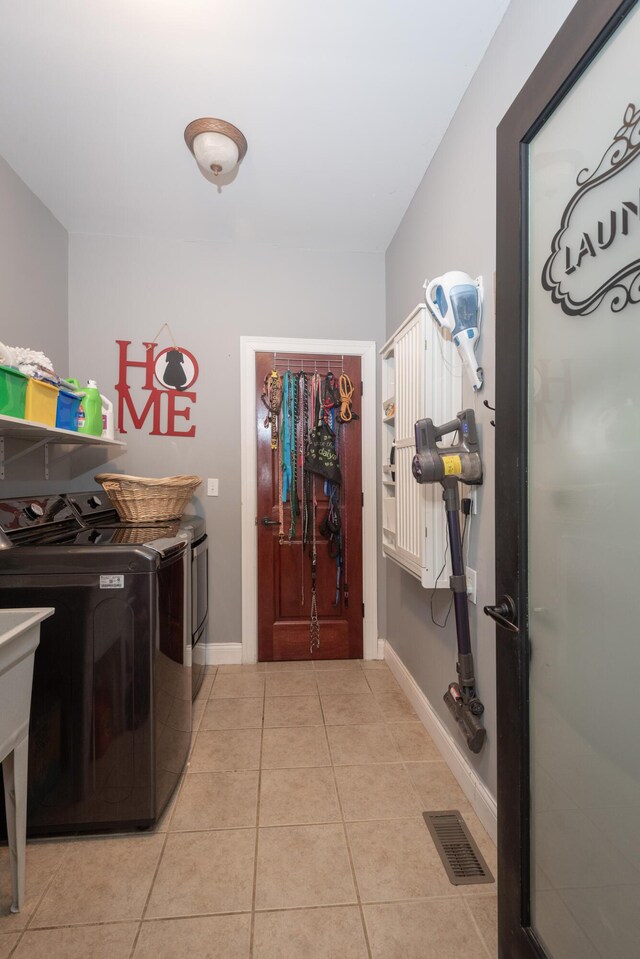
x,y
108,432
90,414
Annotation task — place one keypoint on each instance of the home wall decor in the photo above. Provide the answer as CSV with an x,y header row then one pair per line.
x,y
167,379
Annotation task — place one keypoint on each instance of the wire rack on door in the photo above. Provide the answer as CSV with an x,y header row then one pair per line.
x,y
306,364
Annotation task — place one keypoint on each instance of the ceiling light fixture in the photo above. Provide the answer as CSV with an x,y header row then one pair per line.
x,y
218,146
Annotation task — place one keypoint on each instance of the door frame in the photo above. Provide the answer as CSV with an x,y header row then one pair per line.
x,y
587,28
366,350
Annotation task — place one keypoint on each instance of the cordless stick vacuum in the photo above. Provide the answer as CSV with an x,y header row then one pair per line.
x,y
450,465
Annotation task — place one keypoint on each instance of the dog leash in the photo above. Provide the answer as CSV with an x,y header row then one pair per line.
x,y
272,399
344,527
346,392
314,625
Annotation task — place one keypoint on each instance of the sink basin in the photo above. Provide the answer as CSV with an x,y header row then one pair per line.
x,y
19,637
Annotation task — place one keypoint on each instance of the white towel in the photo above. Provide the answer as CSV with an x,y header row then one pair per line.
x,y
31,362
7,356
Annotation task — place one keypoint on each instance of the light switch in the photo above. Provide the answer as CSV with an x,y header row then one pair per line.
x,y
212,487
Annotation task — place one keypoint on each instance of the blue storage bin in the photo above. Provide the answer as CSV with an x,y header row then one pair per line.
x,y
67,410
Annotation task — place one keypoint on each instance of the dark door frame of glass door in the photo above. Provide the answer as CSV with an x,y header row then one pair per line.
x,y
588,27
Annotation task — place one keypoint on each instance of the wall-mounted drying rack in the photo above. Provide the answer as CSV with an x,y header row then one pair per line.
x,y
36,436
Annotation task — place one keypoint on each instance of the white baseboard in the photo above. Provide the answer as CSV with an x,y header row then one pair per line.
x,y
223,653
472,786
217,654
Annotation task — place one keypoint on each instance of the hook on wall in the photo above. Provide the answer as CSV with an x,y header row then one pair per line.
x,y
492,408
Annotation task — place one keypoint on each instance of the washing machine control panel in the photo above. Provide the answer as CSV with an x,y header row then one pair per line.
x,y
34,512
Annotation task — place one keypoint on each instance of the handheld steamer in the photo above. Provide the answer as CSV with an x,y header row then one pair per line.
x,y
450,465
455,303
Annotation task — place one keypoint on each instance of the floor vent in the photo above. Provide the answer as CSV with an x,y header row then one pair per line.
x,y
457,849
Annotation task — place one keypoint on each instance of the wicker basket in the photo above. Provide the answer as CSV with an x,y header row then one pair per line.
x,y
141,498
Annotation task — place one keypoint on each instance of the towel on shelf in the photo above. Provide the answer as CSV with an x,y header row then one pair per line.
x,y
32,362
7,356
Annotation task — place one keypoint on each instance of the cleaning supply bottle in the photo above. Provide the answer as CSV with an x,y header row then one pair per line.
x,y
108,432
90,414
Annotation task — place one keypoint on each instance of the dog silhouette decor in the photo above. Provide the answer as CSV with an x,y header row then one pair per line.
x,y
174,374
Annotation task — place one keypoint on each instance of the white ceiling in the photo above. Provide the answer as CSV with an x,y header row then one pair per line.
x,y
343,103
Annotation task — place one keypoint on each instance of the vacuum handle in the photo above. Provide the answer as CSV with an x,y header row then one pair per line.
x,y
432,304
451,427
504,614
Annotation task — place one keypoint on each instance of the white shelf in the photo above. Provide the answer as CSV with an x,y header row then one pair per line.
x,y
33,436
14,428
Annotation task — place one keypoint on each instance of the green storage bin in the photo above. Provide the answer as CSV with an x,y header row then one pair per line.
x,y
13,392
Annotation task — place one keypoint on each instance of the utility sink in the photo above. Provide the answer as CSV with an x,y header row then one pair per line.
x,y
19,638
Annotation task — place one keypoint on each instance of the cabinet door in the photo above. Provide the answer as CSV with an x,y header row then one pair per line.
x,y
423,372
410,403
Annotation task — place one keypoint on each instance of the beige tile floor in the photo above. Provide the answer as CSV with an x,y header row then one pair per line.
x,y
296,832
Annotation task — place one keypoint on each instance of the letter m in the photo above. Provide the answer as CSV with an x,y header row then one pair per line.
x,y
124,400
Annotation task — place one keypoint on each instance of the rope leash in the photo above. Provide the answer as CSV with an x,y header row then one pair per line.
x,y
346,392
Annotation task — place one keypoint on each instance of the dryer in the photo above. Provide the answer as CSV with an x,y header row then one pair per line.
x,y
110,722
95,509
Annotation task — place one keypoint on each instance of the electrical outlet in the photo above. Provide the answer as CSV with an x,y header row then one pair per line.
x,y
471,583
212,487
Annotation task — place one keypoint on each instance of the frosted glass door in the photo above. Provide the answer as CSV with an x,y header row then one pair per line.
x,y
584,512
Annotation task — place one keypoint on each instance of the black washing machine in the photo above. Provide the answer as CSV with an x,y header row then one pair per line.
x,y
110,725
94,509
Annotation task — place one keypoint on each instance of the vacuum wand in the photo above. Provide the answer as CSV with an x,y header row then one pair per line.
x,y
449,465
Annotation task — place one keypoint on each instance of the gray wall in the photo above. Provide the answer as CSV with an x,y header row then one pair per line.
x,y
33,304
450,224
210,294
33,272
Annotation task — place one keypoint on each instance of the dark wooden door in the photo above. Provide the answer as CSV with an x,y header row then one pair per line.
x,y
284,570
565,697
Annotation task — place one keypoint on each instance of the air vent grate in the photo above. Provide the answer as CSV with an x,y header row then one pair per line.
x,y
456,847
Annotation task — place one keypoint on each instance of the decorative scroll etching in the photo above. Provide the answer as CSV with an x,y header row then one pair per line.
x,y
595,255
